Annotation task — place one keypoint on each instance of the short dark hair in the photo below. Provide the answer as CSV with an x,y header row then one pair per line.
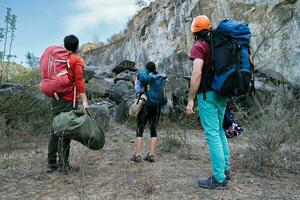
x,y
150,66
202,35
71,43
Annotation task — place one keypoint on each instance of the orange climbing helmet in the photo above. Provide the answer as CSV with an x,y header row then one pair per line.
x,y
200,23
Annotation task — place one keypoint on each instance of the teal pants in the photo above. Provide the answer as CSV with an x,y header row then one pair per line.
x,y
211,113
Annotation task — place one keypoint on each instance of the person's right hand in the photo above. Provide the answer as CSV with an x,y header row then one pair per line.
x,y
85,107
190,107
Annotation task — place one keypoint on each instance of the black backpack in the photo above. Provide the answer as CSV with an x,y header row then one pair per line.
x,y
232,69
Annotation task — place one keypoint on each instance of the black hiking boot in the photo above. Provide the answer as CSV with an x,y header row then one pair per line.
x,y
51,167
149,158
212,183
136,159
67,168
227,174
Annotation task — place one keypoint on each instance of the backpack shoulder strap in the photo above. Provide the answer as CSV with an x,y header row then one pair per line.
x,y
252,86
211,45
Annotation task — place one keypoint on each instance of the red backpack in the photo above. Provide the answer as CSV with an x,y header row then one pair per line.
x,y
54,67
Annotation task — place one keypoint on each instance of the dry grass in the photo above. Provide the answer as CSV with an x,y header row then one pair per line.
x,y
272,134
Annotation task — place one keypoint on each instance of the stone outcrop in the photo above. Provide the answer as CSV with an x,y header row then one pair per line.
x,y
161,33
98,87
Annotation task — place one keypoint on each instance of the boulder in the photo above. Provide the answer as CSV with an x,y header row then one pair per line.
x,y
122,110
100,112
126,76
88,74
125,65
94,72
97,87
11,88
121,90
272,76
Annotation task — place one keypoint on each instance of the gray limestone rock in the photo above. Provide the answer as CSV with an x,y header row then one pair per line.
x,y
121,91
10,88
125,65
126,76
100,112
97,87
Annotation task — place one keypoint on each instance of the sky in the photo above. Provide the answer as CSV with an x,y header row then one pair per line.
x,y
41,23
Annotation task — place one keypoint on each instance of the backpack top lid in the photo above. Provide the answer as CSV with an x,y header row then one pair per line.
x,y
159,75
237,30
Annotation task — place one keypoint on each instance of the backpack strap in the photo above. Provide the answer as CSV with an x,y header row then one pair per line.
x,y
238,61
204,94
211,44
252,87
204,79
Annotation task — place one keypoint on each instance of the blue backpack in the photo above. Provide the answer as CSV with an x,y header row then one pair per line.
x,y
232,69
155,91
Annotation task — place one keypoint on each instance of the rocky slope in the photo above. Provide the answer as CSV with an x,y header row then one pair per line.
x,y
161,33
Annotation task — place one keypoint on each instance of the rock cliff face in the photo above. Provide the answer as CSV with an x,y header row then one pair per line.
x,y
161,33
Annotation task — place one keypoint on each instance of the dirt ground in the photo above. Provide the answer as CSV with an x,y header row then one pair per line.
x,y
108,174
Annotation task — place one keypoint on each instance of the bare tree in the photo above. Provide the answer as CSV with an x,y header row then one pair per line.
x,y
1,37
13,28
7,22
1,34
8,35
32,60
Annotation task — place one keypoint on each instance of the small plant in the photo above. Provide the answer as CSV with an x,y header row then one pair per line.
x,y
170,142
149,187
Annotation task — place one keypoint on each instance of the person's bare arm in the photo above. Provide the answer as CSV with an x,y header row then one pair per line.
x,y
79,82
84,100
194,85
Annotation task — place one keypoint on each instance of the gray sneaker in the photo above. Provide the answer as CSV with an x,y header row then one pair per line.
x,y
227,174
212,183
51,167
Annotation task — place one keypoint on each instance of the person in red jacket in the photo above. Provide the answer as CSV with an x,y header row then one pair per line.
x,y
60,146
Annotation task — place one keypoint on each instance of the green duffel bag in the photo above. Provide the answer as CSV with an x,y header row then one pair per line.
x,y
79,126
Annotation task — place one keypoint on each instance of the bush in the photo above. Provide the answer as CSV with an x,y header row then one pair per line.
x,y
170,143
23,116
273,130
27,77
